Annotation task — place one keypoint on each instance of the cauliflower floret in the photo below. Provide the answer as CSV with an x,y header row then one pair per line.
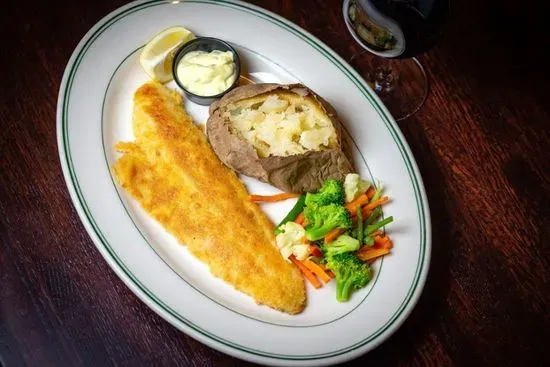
x,y
290,241
354,186
300,251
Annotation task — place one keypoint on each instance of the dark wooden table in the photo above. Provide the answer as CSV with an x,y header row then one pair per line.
x,y
481,142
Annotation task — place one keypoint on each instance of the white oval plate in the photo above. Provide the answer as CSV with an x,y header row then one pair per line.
x,y
94,112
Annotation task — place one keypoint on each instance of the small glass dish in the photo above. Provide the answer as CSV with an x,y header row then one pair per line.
x,y
206,44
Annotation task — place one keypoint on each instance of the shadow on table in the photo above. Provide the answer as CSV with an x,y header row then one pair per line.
x,y
432,300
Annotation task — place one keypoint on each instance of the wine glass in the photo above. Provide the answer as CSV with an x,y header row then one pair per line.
x,y
392,33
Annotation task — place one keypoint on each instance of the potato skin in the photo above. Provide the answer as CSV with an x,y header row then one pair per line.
x,y
297,173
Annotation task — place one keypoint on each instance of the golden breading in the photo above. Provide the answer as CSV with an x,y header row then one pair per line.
x,y
173,173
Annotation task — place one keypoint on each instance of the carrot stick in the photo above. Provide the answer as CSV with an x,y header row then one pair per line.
x,y
370,192
308,274
374,204
332,235
327,270
383,242
315,251
381,238
317,270
273,198
306,241
360,201
376,233
378,239
372,253
300,219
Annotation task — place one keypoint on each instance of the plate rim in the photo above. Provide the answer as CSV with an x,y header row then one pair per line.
x,y
148,297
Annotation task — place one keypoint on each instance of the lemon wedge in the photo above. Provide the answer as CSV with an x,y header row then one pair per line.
x,y
158,54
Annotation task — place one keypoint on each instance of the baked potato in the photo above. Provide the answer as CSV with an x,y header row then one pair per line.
x,y
285,135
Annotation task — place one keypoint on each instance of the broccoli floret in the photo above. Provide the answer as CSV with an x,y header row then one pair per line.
x,y
343,243
332,192
323,219
351,273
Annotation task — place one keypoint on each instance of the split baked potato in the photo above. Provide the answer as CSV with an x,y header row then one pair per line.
x,y
285,135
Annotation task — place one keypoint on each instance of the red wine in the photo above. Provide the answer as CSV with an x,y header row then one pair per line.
x,y
382,24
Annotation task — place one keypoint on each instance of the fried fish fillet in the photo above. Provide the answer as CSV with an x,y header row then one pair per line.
x,y
174,174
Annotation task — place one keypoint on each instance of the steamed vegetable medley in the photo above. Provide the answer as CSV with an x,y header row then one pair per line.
x,y
336,232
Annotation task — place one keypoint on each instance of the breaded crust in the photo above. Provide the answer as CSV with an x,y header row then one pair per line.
x,y
173,173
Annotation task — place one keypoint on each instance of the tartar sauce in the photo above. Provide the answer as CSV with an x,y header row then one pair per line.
x,y
207,73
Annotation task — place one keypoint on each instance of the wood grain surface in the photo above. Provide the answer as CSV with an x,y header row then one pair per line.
x,y
481,142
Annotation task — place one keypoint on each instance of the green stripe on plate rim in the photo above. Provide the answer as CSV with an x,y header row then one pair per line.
x,y
144,237
331,56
